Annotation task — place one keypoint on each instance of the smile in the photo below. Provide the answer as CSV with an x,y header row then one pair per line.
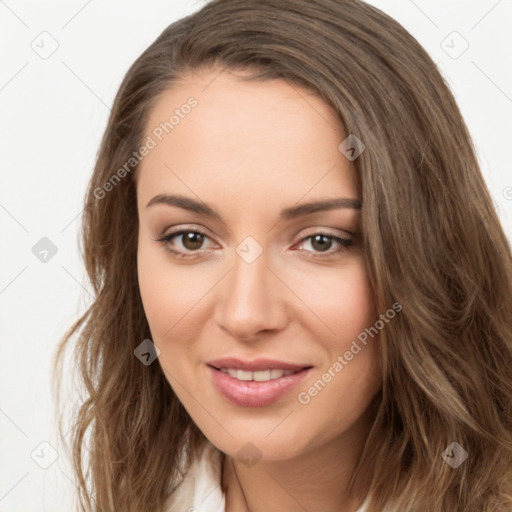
x,y
258,388
259,376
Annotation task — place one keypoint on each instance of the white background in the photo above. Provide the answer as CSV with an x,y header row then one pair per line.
x,y
54,111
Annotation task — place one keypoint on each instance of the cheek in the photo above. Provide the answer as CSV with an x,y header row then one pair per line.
x,y
354,308
350,376
174,304
157,294
341,302
167,295
168,298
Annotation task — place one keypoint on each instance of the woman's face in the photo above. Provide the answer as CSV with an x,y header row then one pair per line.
x,y
257,267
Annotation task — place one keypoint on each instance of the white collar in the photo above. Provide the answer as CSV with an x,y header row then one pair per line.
x,y
200,489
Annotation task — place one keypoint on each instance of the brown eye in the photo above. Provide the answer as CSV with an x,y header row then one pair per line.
x,y
185,242
321,242
192,240
325,244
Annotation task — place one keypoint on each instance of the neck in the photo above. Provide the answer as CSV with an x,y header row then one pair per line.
x,y
316,480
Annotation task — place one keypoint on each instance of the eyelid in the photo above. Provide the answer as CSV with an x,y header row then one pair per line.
x,y
174,230
317,230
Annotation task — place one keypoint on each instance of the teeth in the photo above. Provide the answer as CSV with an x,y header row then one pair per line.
x,y
259,376
275,374
262,375
240,374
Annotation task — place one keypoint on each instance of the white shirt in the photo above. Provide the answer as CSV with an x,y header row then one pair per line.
x,y
200,490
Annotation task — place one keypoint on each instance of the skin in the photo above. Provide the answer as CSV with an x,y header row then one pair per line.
x,y
249,150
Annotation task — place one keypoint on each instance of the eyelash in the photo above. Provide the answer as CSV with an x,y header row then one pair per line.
x,y
345,243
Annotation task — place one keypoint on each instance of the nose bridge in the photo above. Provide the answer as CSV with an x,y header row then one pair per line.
x,y
250,301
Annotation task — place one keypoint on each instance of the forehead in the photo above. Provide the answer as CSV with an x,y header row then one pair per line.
x,y
246,138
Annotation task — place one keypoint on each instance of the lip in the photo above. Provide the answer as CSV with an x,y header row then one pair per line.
x,y
255,393
256,365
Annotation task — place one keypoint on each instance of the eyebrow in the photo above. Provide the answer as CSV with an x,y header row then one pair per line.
x,y
293,212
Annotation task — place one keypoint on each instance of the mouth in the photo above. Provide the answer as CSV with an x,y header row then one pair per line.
x,y
257,376
255,384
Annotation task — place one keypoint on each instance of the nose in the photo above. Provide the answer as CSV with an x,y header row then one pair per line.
x,y
250,300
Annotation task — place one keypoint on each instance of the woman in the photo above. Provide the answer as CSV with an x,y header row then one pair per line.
x,y
303,294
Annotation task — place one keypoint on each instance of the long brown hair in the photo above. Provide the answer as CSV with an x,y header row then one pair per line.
x,y
433,243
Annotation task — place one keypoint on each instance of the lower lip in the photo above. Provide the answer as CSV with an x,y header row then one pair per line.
x,y
253,393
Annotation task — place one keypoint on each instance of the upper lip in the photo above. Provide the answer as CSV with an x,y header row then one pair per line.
x,y
255,365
